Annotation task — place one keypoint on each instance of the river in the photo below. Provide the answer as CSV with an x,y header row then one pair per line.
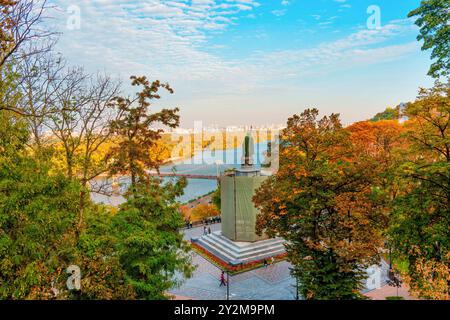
x,y
208,162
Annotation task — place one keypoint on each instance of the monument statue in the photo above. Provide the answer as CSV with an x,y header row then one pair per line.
x,y
237,243
237,190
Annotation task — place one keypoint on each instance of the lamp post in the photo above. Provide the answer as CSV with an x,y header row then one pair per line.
x,y
228,286
394,278
390,254
297,296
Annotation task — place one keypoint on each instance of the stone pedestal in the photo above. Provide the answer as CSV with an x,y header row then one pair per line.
x,y
238,211
238,242
237,253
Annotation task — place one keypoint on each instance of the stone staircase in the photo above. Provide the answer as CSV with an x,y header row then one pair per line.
x,y
236,253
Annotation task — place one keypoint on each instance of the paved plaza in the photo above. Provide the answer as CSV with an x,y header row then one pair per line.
x,y
267,283
388,291
273,282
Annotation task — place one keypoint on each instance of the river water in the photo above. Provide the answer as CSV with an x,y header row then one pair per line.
x,y
208,162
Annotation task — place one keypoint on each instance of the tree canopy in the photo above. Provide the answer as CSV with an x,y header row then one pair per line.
x,y
433,17
321,201
420,226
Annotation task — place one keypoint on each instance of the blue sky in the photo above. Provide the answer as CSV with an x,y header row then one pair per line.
x,y
235,62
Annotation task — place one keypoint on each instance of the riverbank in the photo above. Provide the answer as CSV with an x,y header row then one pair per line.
x,y
198,209
204,199
197,190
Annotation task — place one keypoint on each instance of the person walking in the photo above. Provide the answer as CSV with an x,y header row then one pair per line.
x,y
223,282
205,231
209,230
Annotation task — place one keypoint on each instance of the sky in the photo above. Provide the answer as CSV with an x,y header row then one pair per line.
x,y
252,62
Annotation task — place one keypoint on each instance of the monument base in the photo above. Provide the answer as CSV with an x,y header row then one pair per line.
x,y
238,253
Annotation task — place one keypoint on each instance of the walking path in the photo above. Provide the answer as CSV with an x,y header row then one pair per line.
x,y
270,283
388,291
273,282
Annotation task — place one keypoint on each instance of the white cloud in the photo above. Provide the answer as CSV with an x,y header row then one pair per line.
x,y
170,40
279,13
161,37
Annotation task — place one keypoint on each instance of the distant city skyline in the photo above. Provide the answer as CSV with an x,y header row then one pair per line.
x,y
247,62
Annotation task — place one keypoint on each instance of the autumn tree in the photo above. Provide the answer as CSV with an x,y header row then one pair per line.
x,y
21,23
137,132
420,226
22,35
322,202
82,111
383,145
6,26
41,76
202,211
433,18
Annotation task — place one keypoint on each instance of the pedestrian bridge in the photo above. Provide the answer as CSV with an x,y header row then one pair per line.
x,y
183,175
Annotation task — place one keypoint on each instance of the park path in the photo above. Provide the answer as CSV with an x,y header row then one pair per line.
x,y
267,283
271,283
388,291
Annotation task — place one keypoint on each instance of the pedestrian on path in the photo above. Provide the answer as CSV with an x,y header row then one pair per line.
x,y
205,231
223,282
209,230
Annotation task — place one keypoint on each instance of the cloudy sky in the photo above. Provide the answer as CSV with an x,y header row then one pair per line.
x,y
252,61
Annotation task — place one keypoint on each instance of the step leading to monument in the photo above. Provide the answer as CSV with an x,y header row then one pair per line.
x,y
240,247
247,251
235,253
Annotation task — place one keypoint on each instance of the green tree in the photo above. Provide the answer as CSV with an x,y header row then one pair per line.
x,y
420,226
216,199
38,221
103,276
38,225
322,202
388,114
151,249
37,215
136,130
433,17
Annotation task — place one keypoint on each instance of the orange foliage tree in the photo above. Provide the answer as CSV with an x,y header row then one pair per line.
x,y
204,211
6,25
322,201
